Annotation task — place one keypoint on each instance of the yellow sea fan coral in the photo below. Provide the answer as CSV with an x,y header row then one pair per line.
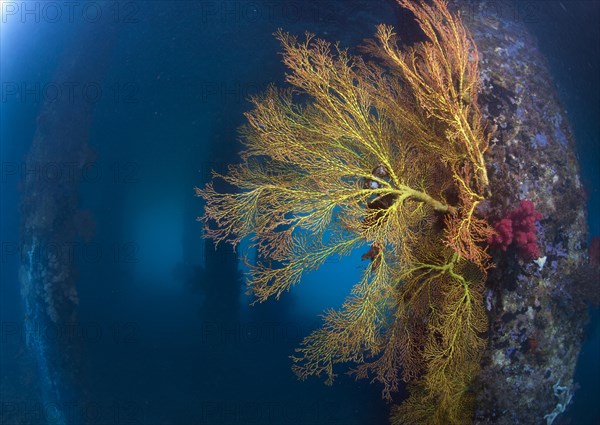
x,y
388,152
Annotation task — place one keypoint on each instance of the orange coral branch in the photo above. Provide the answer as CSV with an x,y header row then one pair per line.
x,y
367,161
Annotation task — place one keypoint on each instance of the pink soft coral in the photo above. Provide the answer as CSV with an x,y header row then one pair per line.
x,y
519,228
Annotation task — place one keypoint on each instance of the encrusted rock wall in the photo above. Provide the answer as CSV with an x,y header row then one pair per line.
x,y
537,309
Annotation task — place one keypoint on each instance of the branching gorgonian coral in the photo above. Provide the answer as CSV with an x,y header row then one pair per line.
x,y
388,153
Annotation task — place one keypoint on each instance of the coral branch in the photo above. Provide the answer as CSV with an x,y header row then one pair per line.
x,y
368,160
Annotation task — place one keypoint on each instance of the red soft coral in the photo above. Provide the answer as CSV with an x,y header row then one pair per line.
x,y
503,236
519,228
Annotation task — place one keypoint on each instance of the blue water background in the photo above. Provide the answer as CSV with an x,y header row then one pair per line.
x,y
170,337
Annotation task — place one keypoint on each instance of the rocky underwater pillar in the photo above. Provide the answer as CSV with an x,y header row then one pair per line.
x,y
52,224
537,307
